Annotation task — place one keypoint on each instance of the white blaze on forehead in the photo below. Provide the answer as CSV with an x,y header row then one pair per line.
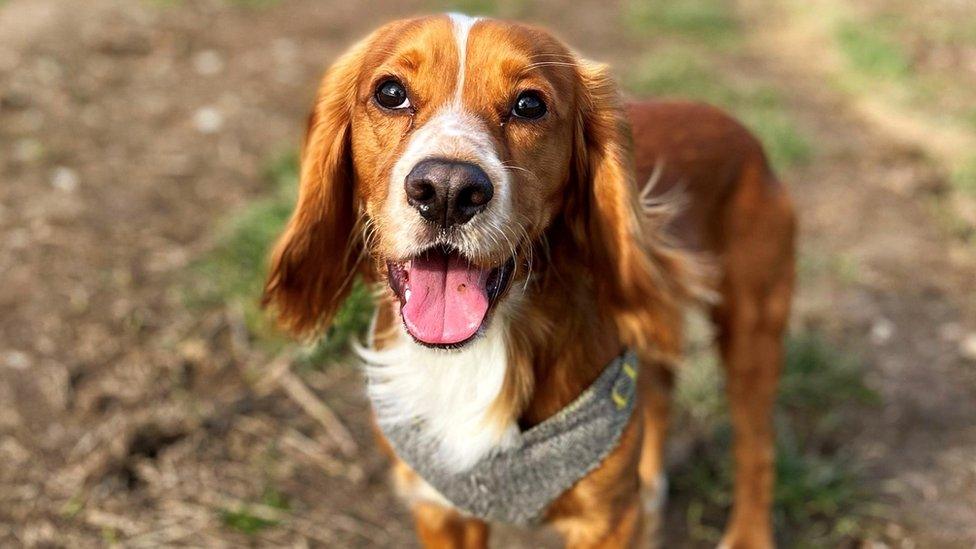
x,y
462,28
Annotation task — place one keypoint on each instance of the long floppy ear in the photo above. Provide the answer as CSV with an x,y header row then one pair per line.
x,y
315,259
639,277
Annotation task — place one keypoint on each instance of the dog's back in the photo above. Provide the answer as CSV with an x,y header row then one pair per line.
x,y
703,158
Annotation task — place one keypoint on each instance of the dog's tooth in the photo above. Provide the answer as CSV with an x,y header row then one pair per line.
x,y
406,294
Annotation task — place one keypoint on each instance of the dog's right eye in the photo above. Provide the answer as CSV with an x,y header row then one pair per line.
x,y
391,94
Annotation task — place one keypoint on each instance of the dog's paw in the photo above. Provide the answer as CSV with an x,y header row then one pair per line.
x,y
654,496
654,499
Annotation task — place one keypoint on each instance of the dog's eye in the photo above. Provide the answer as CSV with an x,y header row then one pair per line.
x,y
529,105
391,94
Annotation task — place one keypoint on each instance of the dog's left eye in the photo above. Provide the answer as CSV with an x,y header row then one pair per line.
x,y
529,104
391,94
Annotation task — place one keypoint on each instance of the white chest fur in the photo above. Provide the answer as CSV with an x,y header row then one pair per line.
x,y
449,392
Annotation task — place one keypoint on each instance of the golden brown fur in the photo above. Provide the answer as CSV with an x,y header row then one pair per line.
x,y
606,273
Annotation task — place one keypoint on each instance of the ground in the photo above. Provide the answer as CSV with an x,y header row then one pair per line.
x,y
147,158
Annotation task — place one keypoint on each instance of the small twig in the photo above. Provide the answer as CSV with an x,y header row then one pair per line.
x,y
271,374
317,453
165,536
313,531
304,397
360,528
102,519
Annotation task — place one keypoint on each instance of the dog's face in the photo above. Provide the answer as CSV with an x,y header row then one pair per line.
x,y
446,148
460,131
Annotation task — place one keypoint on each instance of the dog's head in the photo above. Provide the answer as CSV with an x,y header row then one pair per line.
x,y
444,152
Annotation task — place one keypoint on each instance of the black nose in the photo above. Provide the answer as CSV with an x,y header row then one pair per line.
x,y
448,192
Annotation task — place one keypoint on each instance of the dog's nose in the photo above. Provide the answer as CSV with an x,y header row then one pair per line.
x,y
448,192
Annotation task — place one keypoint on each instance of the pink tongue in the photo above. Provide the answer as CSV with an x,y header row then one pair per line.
x,y
447,299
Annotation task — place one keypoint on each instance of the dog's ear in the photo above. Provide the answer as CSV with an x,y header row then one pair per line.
x,y
636,274
315,259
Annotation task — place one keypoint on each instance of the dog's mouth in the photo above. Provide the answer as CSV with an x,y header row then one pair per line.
x,y
445,300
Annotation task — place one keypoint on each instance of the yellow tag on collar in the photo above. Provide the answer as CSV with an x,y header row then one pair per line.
x,y
623,390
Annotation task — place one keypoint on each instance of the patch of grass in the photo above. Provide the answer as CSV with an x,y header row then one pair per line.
x,y
76,504
842,267
275,499
763,113
681,72
110,535
350,322
249,521
964,176
870,50
819,500
678,71
907,56
243,521
233,273
817,376
253,3
709,22
969,118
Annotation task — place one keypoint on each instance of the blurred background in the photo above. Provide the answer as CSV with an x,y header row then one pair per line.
x,y
147,160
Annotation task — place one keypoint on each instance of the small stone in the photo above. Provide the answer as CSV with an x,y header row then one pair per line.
x,y
881,331
16,360
208,120
64,179
208,63
194,350
967,347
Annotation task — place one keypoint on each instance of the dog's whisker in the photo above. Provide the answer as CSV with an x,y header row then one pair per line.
x,y
509,167
530,253
513,249
541,64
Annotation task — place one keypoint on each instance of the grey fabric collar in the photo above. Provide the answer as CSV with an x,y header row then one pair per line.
x,y
518,484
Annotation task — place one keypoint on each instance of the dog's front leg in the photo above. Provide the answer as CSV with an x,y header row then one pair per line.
x,y
624,529
604,509
439,527
757,287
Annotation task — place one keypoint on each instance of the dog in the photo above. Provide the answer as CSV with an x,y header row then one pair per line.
x,y
523,224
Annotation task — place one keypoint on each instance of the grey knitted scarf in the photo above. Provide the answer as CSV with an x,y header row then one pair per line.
x,y
516,485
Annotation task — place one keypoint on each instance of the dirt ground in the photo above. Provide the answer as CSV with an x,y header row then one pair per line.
x,y
129,130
